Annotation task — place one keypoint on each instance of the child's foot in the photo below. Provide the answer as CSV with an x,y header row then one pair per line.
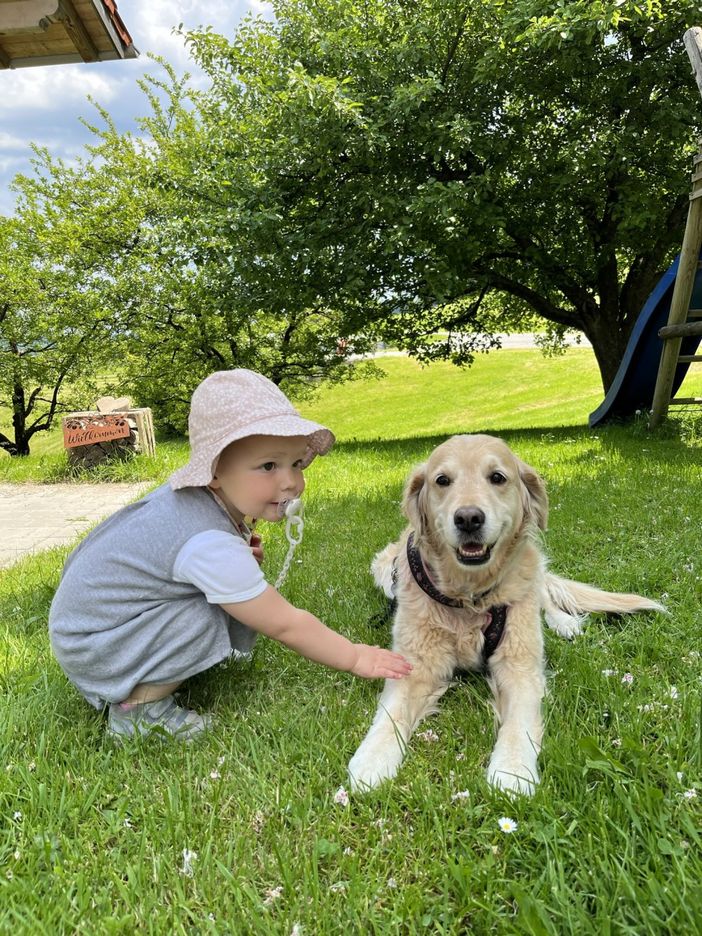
x,y
127,719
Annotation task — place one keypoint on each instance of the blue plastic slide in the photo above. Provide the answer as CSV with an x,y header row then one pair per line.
x,y
632,388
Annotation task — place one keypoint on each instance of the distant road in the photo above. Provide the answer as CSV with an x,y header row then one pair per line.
x,y
512,342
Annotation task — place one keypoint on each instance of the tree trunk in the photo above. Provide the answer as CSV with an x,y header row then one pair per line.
x,y
609,341
20,446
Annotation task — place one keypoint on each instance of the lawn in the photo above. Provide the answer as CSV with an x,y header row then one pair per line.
x,y
100,840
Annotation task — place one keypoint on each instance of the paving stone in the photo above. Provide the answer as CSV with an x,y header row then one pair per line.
x,y
34,517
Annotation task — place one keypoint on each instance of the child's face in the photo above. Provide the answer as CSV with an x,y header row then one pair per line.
x,y
255,474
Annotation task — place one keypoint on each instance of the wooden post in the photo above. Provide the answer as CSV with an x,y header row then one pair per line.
x,y
682,293
693,44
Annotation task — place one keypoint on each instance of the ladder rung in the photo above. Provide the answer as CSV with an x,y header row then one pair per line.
x,y
690,358
694,313
685,401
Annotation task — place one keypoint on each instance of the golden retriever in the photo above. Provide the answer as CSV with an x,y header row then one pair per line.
x,y
474,512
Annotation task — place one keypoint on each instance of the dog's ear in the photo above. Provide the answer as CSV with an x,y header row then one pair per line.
x,y
413,500
534,494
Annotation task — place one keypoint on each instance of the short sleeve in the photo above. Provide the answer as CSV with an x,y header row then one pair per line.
x,y
221,565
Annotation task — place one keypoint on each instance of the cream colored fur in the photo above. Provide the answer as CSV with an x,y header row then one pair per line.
x,y
439,639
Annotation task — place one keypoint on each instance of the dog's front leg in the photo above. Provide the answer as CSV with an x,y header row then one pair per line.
x,y
517,681
403,703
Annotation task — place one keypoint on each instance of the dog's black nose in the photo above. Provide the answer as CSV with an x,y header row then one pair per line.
x,y
469,519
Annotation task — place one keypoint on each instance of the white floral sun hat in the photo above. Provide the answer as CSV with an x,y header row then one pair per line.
x,y
233,404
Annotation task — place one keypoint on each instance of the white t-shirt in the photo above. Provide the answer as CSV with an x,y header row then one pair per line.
x,y
221,565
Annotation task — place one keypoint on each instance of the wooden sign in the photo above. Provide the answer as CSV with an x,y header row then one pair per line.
x,y
86,430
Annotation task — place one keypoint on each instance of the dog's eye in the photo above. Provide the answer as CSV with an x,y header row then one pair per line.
x,y
497,478
442,480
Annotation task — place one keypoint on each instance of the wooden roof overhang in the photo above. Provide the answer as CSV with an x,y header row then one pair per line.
x,y
55,32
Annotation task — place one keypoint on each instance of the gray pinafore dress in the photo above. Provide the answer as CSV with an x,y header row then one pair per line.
x,y
119,618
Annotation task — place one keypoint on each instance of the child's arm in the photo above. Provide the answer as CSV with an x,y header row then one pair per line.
x,y
272,615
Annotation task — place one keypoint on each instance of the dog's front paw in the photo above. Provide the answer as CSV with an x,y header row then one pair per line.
x,y
513,776
369,768
564,624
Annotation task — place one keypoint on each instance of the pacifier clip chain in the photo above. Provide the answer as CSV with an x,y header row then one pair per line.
x,y
292,510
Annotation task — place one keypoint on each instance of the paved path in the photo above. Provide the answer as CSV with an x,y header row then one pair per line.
x,y
37,516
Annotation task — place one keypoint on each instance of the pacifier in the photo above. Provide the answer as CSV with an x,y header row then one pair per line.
x,y
292,510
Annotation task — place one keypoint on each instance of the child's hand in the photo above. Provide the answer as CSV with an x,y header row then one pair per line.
x,y
374,663
256,547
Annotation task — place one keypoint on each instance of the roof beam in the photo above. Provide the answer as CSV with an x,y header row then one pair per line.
x,y
71,22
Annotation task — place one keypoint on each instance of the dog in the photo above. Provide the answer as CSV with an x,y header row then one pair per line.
x,y
470,582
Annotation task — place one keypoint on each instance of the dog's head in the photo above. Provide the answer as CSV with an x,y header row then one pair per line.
x,y
472,497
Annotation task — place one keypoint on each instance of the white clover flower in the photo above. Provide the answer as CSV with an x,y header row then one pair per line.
x,y
391,883
507,825
616,742
609,672
296,930
215,775
17,816
341,797
273,893
221,760
461,756
690,794
627,678
31,767
188,858
679,776
348,850
128,823
673,693
462,794
430,736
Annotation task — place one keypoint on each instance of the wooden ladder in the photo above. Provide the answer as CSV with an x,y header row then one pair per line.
x,y
681,318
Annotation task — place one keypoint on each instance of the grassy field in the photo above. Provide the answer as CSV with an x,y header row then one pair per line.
x,y
100,840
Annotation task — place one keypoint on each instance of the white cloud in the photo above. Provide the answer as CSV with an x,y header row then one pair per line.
x,y
51,88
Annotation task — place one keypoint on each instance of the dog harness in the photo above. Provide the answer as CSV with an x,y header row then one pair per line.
x,y
494,629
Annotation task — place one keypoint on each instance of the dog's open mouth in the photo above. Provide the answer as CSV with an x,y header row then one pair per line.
x,y
473,553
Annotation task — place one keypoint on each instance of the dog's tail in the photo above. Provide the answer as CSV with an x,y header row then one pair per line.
x,y
577,598
381,568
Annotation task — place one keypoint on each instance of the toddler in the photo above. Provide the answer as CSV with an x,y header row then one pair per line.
x,y
170,585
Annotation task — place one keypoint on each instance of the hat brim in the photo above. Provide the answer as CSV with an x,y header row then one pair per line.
x,y
199,471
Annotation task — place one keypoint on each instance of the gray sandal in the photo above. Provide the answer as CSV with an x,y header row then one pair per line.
x,y
164,717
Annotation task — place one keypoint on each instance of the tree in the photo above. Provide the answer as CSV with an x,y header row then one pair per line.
x,y
113,278
411,161
211,286
55,331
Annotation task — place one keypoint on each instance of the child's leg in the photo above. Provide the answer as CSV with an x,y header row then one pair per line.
x,y
149,692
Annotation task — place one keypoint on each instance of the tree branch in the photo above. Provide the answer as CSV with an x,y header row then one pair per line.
x,y
538,302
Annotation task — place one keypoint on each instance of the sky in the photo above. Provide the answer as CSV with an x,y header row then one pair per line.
x,y
43,105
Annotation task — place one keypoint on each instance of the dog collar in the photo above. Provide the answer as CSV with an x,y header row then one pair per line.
x,y
497,615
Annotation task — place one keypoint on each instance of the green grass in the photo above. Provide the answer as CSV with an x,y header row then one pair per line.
x,y
609,844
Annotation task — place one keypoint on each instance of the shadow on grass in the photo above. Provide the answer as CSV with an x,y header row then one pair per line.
x,y
631,440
